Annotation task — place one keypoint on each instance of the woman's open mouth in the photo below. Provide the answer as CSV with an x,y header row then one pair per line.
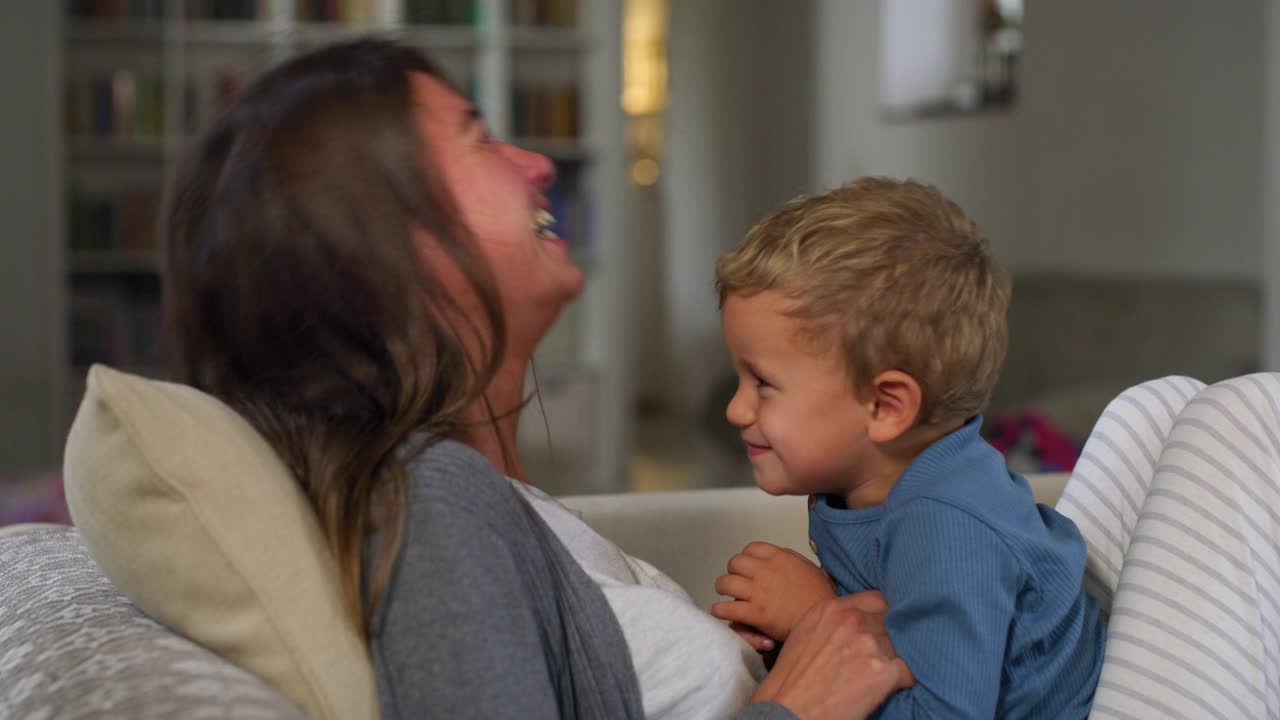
x,y
544,224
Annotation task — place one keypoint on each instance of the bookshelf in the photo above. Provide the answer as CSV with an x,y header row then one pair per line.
x,y
141,76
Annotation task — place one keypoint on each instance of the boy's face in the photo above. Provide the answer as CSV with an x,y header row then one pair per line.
x,y
804,428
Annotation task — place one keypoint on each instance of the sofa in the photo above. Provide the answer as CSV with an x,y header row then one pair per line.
x,y
195,584
73,646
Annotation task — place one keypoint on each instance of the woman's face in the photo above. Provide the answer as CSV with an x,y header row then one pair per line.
x,y
498,190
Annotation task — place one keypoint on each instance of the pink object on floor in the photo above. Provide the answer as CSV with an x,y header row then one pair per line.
x,y
1052,449
38,500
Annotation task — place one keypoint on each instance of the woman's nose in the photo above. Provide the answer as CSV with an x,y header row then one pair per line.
x,y
537,168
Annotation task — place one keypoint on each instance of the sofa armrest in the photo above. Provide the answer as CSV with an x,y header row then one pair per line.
x,y
73,646
691,534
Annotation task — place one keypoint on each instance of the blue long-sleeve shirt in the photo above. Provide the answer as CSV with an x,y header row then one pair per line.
x,y
983,585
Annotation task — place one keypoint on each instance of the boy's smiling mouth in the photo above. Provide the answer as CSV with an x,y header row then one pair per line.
x,y
754,449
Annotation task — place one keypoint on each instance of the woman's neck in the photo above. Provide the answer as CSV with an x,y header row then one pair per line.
x,y
504,396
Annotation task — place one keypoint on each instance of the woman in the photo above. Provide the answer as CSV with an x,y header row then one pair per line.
x,y
359,269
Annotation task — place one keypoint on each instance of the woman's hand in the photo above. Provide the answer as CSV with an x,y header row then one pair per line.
x,y
838,663
772,588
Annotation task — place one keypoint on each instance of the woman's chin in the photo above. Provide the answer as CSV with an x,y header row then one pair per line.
x,y
575,281
540,308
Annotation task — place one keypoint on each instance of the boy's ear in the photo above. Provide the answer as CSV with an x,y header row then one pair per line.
x,y
895,406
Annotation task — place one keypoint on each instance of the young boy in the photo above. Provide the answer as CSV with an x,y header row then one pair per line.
x,y
867,327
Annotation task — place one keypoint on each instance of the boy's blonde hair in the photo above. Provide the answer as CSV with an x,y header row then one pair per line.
x,y
898,276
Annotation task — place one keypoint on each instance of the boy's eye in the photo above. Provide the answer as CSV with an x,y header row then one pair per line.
x,y
760,382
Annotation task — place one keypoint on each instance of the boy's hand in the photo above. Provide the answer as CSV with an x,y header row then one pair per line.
x,y
772,588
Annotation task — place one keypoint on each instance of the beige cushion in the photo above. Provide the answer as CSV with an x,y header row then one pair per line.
x,y
194,517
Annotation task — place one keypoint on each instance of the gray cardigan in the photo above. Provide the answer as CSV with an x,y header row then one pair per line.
x,y
488,616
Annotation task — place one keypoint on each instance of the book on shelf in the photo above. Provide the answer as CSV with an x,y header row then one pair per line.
x,y
110,328
551,13
135,10
441,12
336,11
122,105
115,105
227,9
545,13
545,112
121,222
116,9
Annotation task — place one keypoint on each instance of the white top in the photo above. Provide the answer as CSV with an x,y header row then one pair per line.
x,y
689,664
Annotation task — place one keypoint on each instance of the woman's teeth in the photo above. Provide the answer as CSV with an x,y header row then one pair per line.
x,y
543,224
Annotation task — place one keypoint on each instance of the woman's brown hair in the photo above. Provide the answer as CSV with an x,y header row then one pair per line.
x,y
295,289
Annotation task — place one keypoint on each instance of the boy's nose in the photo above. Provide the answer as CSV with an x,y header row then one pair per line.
x,y
739,412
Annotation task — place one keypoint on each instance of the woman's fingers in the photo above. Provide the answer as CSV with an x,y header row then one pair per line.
x,y
903,677
869,601
838,663
872,623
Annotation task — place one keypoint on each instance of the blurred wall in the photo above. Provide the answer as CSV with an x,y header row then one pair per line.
x,y
30,217
1271,190
1134,146
1133,149
739,142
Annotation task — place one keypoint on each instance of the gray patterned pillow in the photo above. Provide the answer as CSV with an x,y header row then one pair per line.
x,y
72,646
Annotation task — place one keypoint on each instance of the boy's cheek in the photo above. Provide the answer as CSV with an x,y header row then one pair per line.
x,y
770,477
